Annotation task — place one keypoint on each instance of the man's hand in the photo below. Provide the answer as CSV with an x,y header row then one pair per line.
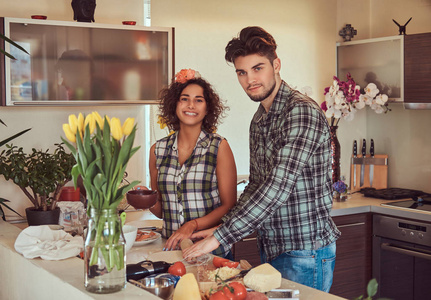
x,y
198,235
204,246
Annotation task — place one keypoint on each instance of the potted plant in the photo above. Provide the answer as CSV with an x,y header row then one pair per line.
x,y
41,176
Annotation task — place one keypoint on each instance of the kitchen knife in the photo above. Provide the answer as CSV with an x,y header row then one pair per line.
x,y
355,153
364,151
372,165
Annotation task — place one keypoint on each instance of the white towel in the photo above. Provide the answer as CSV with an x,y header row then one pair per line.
x,y
41,241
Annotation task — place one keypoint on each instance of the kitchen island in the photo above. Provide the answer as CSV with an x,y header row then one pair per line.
x,y
23,278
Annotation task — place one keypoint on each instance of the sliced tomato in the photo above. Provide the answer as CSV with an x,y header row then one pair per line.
x,y
235,291
218,296
217,261
178,269
230,264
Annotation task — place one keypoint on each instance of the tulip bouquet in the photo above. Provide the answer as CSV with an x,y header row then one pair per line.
x,y
102,148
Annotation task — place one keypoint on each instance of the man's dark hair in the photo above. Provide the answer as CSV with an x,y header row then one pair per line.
x,y
251,40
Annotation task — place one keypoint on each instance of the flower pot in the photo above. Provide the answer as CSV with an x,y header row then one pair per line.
x,y
39,217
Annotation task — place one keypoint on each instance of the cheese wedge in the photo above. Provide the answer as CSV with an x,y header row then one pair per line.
x,y
263,278
187,288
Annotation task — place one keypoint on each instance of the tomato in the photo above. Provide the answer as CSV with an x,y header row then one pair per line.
x,y
235,291
230,264
217,261
218,296
178,269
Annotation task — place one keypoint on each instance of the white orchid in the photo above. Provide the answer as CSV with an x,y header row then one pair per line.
x,y
371,90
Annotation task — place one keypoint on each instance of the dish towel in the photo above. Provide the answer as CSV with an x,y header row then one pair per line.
x,y
41,241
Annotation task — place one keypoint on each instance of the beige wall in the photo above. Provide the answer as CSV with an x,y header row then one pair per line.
x,y
46,121
402,134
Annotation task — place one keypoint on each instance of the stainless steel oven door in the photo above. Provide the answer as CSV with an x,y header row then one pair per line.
x,y
402,270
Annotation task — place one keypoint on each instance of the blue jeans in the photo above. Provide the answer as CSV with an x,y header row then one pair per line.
x,y
313,268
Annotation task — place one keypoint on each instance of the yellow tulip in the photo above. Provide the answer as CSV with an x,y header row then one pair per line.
x,y
98,119
69,134
73,123
91,121
116,130
80,122
162,122
128,126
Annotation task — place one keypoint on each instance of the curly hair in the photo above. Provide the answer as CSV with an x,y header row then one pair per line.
x,y
251,40
171,95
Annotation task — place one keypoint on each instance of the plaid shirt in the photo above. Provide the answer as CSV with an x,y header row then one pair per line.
x,y
189,191
289,196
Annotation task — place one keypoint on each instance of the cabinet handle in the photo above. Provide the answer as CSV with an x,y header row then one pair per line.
x,y
350,225
249,239
407,251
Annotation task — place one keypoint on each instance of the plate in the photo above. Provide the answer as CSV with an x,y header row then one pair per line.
x,y
147,241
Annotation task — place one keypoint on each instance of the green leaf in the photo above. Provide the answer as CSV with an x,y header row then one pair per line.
x,y
70,146
3,202
12,43
13,137
372,288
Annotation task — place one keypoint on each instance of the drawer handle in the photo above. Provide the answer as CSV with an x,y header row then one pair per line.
x,y
350,225
249,239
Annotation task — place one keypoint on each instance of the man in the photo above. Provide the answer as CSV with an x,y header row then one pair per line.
x,y
289,197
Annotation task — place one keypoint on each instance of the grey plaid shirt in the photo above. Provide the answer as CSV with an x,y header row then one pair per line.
x,y
289,196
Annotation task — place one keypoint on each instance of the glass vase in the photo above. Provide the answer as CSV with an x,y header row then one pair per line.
x,y
335,154
104,255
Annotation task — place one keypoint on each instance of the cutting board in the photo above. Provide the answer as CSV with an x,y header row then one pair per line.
x,y
380,180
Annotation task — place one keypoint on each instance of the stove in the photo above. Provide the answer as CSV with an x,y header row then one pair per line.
x,y
417,203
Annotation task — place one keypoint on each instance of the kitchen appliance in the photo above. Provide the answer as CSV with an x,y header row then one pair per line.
x,y
392,193
401,257
416,203
145,268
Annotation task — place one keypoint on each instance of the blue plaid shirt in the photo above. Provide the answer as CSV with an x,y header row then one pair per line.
x,y
289,197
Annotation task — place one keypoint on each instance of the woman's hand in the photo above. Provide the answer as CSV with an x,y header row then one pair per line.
x,y
184,232
204,246
199,235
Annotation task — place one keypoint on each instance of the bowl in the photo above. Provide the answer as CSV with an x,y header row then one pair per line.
x,y
161,287
142,199
129,232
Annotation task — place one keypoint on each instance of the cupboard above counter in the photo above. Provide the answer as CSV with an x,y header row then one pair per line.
x,y
75,63
400,66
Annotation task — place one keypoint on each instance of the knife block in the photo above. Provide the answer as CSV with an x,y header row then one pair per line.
x,y
380,178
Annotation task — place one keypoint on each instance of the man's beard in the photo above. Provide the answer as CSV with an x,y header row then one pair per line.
x,y
263,96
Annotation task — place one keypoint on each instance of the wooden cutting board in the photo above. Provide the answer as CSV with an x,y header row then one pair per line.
x,y
380,180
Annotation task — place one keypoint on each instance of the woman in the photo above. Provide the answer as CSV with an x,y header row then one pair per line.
x,y
193,169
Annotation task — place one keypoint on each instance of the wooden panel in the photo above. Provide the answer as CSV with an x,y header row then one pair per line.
x,y
380,178
417,68
353,263
247,249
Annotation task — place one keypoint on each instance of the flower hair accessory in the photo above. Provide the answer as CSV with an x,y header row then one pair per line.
x,y
186,74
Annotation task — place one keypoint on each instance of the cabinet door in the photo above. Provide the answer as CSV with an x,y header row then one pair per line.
x,y
353,263
247,249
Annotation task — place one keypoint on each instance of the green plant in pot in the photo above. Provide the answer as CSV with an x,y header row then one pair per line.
x,y
41,176
3,201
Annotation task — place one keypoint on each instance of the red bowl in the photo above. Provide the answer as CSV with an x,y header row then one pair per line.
x,y
129,22
38,17
142,199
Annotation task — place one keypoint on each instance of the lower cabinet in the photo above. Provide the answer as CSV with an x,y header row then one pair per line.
x,y
353,263
247,249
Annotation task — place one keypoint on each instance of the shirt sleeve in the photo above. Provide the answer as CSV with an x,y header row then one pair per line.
x,y
303,133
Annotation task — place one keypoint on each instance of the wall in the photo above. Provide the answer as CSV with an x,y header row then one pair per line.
x,y
303,31
46,121
402,134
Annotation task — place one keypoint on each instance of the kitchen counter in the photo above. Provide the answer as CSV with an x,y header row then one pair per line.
x,y
357,203
23,278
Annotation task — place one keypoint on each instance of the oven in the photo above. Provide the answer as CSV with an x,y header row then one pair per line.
x,y
402,257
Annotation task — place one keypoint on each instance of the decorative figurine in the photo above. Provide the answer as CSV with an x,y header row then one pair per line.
x,y
83,10
348,32
402,28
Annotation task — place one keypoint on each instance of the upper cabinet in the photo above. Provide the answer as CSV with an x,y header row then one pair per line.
x,y
379,61
400,66
75,63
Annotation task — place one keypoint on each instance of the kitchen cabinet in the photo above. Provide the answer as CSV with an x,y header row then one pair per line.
x,y
76,63
247,249
353,263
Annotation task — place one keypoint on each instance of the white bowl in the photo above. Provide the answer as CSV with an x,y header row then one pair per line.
x,y
129,232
